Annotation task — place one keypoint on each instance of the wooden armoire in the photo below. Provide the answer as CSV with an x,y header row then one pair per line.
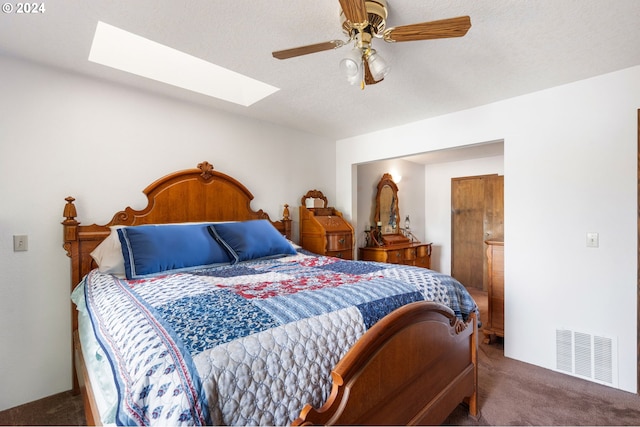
x,y
493,325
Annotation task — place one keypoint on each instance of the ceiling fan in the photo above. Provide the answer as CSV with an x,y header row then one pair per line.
x,y
363,20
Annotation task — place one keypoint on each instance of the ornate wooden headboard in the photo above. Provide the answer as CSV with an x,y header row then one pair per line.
x,y
191,195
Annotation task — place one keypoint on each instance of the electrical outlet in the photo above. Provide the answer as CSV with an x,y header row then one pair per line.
x,y
20,243
592,240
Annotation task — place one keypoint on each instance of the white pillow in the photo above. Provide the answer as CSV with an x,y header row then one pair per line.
x,y
295,245
108,254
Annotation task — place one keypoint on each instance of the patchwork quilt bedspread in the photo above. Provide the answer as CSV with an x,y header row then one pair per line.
x,y
250,343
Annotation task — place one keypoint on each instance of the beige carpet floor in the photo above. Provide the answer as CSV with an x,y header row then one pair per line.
x,y
517,393
62,409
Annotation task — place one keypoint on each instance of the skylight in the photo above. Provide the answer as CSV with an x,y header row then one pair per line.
x,y
129,52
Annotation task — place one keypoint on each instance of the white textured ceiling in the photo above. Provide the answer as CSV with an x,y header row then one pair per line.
x,y
513,47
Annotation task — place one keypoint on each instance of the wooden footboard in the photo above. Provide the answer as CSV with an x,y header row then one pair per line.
x,y
412,367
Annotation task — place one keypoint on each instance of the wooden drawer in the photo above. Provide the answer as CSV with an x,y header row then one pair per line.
x,y
418,254
371,254
395,256
424,251
423,261
338,241
410,255
344,254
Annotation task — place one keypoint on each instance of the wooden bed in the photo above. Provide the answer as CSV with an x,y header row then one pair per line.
x,y
415,366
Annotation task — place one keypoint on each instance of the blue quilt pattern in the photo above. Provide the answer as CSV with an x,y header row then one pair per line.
x,y
151,329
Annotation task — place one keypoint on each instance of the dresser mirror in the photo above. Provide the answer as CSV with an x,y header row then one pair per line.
x,y
387,215
387,229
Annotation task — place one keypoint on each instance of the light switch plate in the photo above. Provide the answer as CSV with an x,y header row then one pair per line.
x,y
20,243
592,240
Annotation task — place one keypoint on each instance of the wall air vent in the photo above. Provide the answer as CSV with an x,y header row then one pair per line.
x,y
587,356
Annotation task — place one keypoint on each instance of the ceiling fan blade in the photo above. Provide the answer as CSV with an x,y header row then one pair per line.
x,y
355,11
305,50
442,29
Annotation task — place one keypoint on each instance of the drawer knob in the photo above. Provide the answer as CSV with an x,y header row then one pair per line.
x,y
341,241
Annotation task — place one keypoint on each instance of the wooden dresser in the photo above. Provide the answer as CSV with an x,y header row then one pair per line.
x,y
387,241
494,325
323,230
411,253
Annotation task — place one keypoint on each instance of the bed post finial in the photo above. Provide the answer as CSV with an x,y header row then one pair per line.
x,y
285,213
70,212
206,169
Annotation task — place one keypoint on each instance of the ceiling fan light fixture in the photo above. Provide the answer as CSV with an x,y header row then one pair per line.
x,y
365,20
377,65
351,66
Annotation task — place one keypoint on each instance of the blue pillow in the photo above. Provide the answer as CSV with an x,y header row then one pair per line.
x,y
255,239
152,249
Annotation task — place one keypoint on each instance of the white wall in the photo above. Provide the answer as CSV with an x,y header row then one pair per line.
x,y
570,168
438,202
62,134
